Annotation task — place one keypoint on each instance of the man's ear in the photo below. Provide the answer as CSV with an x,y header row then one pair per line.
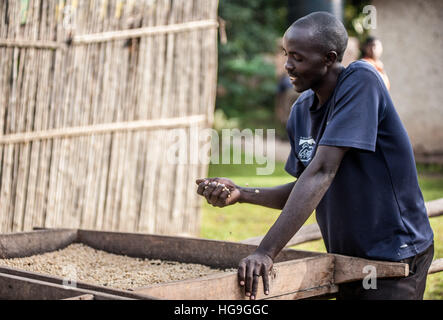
x,y
331,58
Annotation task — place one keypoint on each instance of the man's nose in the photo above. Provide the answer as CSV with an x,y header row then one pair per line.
x,y
288,66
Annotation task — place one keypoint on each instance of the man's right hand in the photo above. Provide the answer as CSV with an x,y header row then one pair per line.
x,y
219,192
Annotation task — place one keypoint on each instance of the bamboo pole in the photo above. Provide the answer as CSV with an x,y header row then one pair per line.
x,y
127,212
98,157
181,209
434,207
141,32
28,44
148,217
46,27
65,90
109,36
92,163
104,128
191,220
138,64
76,170
111,201
105,141
11,71
167,171
436,266
59,85
151,47
25,62
83,185
4,97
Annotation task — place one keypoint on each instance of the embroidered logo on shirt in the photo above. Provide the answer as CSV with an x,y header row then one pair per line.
x,y
306,148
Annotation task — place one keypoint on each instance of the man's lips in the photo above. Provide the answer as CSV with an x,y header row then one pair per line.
x,y
293,78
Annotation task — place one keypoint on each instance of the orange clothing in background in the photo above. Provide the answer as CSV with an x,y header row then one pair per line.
x,y
379,66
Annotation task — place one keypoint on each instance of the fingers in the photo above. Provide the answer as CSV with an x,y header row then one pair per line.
x,y
255,277
215,193
249,279
208,190
223,198
220,195
201,186
252,280
241,273
265,275
250,270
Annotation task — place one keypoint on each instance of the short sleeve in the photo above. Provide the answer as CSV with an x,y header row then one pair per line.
x,y
293,165
356,112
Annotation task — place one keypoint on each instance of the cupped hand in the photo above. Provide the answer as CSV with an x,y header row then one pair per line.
x,y
219,192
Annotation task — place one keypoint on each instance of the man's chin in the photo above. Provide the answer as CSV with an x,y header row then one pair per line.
x,y
299,89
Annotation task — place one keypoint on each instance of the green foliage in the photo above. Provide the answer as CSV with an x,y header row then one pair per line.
x,y
222,122
247,81
353,16
430,168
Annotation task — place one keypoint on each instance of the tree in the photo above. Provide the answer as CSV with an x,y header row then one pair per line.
x,y
247,81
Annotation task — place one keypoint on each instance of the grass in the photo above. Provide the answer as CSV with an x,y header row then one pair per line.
x,y
242,221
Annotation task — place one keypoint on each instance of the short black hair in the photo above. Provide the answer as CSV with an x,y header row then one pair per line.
x,y
369,40
327,32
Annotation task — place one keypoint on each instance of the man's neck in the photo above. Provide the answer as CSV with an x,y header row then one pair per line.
x,y
324,90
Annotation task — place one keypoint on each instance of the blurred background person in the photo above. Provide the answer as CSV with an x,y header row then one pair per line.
x,y
372,50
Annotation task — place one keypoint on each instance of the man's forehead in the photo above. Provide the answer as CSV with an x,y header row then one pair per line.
x,y
298,36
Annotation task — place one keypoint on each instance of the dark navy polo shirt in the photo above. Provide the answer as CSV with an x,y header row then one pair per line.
x,y
374,207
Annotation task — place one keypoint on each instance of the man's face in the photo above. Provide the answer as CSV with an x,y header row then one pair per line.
x,y
305,62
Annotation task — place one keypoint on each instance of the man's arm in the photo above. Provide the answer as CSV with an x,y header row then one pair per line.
x,y
214,190
303,199
274,197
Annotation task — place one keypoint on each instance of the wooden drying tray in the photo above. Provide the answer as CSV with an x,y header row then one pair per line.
x,y
298,274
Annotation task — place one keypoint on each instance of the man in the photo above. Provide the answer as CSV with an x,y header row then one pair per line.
x,y
353,162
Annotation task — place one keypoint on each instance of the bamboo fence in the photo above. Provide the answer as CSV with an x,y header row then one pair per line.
x,y
89,91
